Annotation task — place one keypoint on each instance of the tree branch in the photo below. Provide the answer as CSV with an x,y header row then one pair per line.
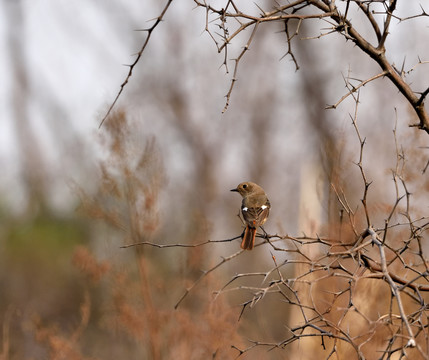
x,y
139,55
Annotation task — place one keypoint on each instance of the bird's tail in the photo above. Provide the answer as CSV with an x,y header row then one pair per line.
x,y
248,238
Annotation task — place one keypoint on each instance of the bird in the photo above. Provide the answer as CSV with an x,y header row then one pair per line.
x,y
255,209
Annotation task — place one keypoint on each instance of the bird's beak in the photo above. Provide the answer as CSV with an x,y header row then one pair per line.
x,y
234,190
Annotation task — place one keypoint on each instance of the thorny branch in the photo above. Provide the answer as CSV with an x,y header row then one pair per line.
x,y
303,10
376,240
137,59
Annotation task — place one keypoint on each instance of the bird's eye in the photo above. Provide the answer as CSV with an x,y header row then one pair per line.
x,y
244,186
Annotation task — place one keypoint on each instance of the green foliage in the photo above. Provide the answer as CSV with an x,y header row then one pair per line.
x,y
44,239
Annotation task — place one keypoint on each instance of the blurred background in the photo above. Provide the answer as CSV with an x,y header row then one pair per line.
x,y
161,167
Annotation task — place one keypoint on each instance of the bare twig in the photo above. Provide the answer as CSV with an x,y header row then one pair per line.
x,y
161,246
137,59
395,290
204,274
356,88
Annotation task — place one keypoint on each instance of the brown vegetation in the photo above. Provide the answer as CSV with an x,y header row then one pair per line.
x,y
148,265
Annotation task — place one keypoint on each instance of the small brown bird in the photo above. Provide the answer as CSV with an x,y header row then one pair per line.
x,y
255,209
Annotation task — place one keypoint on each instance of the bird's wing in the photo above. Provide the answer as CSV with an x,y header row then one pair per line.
x,y
255,216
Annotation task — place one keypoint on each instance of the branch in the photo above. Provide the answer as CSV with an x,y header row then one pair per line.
x,y
356,88
390,11
161,246
139,55
376,240
237,60
204,274
360,164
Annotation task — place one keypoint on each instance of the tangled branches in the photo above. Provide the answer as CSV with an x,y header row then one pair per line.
x,y
338,16
225,23
356,292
